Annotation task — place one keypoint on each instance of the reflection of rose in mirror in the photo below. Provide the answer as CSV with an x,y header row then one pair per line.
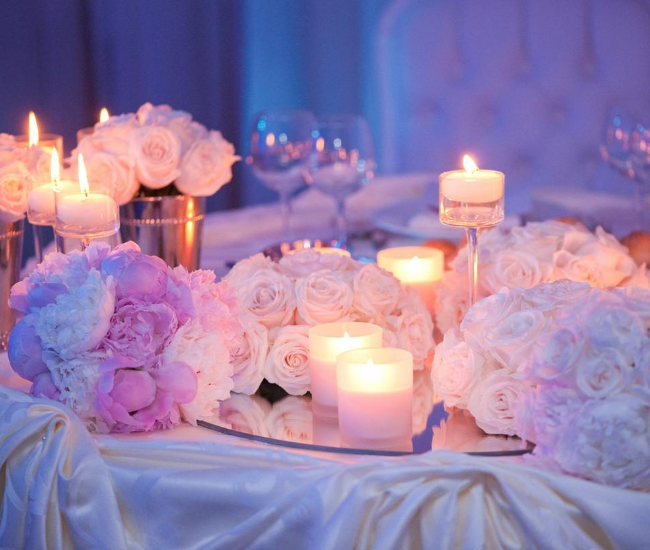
x,y
291,420
459,432
245,414
422,400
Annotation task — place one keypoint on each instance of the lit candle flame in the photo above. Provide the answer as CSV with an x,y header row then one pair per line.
x,y
270,140
55,167
469,164
346,336
103,115
83,177
33,129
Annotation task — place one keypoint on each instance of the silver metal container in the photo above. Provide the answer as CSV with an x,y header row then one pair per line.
x,y
11,258
168,227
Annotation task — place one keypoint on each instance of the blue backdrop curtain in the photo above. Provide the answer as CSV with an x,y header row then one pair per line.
x,y
221,60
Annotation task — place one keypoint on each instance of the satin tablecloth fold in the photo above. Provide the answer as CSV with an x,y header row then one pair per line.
x,y
64,488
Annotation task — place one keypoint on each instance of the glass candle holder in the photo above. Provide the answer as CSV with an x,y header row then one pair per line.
x,y
39,155
85,214
326,343
375,398
472,199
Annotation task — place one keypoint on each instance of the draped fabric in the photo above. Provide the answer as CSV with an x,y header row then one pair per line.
x,y
194,489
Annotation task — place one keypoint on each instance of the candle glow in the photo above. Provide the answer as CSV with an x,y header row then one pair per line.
x,y
33,130
469,164
83,177
103,115
55,168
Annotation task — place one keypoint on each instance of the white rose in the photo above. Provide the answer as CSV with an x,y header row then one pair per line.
x,y
246,414
452,301
79,318
640,279
269,297
603,372
209,358
608,441
287,363
513,269
247,268
489,312
555,355
549,296
494,402
114,172
149,114
113,137
422,400
637,300
376,291
301,263
576,268
156,152
609,323
323,297
457,368
248,360
8,151
414,331
291,419
206,167
510,341
542,413
15,182
187,130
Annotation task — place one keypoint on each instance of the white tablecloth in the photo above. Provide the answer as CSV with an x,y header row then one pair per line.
x,y
196,489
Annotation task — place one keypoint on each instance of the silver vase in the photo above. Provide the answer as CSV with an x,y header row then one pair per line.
x,y
11,258
168,227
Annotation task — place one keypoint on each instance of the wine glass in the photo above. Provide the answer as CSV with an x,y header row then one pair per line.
x,y
626,147
280,147
639,145
341,162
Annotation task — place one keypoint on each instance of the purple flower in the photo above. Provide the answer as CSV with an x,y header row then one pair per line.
x,y
135,273
140,329
43,386
25,351
132,399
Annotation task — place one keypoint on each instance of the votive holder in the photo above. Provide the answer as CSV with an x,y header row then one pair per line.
x,y
375,398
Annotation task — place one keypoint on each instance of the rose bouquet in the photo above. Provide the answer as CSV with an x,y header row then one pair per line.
x,y
280,301
154,152
564,365
17,170
539,252
125,341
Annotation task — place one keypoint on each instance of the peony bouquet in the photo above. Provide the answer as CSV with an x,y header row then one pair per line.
x,y
564,365
156,151
125,341
280,301
539,252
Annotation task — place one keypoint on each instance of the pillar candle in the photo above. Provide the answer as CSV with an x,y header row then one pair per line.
x,y
326,342
375,398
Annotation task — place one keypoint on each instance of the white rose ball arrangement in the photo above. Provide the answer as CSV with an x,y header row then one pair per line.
x,y
156,151
280,301
539,252
563,365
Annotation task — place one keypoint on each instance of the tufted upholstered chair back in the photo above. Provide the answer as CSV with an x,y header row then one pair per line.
x,y
523,84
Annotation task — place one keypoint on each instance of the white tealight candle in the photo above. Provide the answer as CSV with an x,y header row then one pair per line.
x,y
416,266
326,343
40,205
471,197
375,394
81,213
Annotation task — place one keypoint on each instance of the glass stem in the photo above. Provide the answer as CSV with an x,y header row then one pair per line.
x,y
341,224
638,199
285,212
472,263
